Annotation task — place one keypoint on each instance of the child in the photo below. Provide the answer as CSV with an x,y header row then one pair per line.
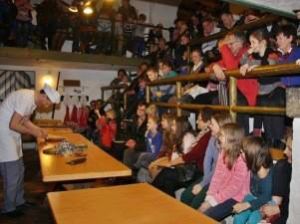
x,y
195,194
166,149
181,141
260,163
194,154
278,213
107,127
153,144
231,179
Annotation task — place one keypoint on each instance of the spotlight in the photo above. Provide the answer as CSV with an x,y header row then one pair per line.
x,y
88,10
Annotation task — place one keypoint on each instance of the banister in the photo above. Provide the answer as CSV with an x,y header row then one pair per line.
x,y
113,87
265,20
258,110
238,109
261,71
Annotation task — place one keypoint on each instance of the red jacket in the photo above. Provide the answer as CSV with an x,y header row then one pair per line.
x,y
197,153
107,131
248,87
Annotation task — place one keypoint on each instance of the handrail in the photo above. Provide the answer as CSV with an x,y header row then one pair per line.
x,y
268,70
265,20
261,71
104,88
239,109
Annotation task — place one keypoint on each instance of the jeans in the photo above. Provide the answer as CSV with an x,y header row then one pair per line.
x,y
248,216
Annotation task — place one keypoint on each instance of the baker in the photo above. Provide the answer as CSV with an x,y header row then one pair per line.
x,y
15,112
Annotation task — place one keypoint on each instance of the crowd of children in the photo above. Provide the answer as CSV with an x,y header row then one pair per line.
x,y
223,169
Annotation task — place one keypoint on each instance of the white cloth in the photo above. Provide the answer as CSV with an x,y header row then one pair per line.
x,y
21,102
294,211
52,94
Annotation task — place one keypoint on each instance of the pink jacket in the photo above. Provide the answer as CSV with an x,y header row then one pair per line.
x,y
226,184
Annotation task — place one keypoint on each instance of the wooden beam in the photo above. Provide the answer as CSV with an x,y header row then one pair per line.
x,y
268,70
259,110
164,2
34,57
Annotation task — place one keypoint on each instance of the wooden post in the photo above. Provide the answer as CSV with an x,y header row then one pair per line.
x,y
232,96
178,95
125,101
102,94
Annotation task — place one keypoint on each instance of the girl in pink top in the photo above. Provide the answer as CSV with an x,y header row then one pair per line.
x,y
231,180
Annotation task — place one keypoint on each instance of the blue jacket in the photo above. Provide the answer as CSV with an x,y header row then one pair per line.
x,y
290,58
153,143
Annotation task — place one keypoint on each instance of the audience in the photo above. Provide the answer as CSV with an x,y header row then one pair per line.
x,y
221,176
194,194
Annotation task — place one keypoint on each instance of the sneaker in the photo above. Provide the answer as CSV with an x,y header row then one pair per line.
x,y
26,205
14,214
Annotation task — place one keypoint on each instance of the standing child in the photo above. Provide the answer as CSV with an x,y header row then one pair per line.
x,y
107,127
231,179
260,163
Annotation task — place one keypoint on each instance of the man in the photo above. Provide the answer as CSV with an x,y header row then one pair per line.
x,y
209,28
232,48
15,112
286,38
228,21
127,10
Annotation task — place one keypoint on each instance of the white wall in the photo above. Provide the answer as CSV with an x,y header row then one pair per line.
x,y
91,83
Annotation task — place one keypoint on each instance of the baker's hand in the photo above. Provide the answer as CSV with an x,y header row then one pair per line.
x,y
42,133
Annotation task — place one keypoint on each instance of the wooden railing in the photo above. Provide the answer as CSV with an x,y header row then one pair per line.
x,y
265,20
111,88
232,75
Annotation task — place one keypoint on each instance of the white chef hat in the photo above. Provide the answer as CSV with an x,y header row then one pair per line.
x,y
52,94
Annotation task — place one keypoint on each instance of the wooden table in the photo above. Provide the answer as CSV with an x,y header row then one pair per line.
x,y
126,204
98,164
58,131
48,123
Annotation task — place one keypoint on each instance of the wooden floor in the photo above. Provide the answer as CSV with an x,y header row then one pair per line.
x,y
35,191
